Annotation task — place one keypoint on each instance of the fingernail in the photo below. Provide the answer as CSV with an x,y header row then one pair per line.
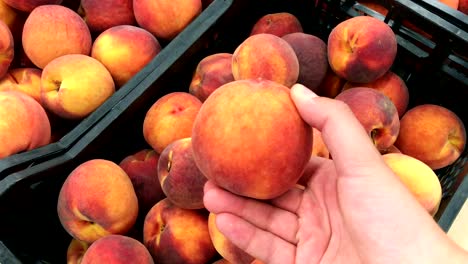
x,y
302,91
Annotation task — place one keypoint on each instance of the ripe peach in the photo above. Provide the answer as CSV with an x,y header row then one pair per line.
x,y
142,168
75,251
419,178
115,249
7,50
24,124
97,199
14,19
29,5
166,18
176,235
331,85
74,85
319,148
432,134
180,178
311,52
241,138
51,31
26,80
361,49
278,24
212,71
100,15
463,6
392,86
125,50
170,118
265,56
376,112
230,252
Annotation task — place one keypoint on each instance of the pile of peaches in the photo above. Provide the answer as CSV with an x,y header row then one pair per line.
x,y
60,60
237,125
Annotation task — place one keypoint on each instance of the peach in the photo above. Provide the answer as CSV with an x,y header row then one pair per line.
x,y
125,50
29,5
114,249
13,19
376,113
180,178
432,134
392,86
166,18
463,6
361,49
278,24
319,149
451,3
170,118
419,178
311,52
331,85
24,124
51,31
230,252
265,56
75,251
142,168
7,49
100,15
26,80
97,199
176,235
74,85
249,138
211,72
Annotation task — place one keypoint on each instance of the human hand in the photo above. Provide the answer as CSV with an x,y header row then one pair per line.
x,y
351,209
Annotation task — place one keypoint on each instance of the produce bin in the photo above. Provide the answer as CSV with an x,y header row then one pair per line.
x,y
434,70
72,130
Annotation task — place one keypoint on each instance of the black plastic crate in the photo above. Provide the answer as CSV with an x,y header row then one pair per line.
x,y
73,130
28,198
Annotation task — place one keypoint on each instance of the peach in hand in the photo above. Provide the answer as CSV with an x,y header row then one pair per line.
x,y
176,235
26,80
97,199
432,134
376,113
180,178
265,56
361,49
74,85
249,139
278,24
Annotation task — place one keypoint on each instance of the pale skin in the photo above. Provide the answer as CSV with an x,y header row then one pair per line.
x,y
352,210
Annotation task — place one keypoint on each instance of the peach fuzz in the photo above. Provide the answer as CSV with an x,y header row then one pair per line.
x,y
30,5
116,249
419,178
170,118
166,18
361,49
51,31
100,15
180,178
251,123
211,72
265,56
176,235
125,50
74,85
376,113
311,52
7,49
230,252
76,250
142,168
25,80
97,199
432,134
392,86
24,124
278,24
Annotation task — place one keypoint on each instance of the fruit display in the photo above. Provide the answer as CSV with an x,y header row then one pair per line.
x,y
132,185
72,57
